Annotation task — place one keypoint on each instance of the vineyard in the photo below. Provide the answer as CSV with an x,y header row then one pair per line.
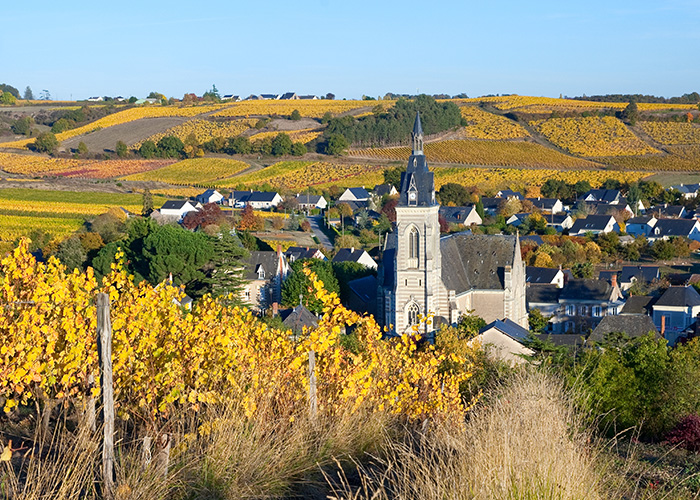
x,y
304,136
57,212
195,171
204,130
535,104
168,361
484,125
672,132
306,108
499,178
593,136
128,115
38,166
474,152
296,175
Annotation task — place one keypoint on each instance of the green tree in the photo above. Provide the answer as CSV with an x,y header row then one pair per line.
x,y
7,99
71,253
345,272
582,270
223,273
298,284
28,94
122,149
469,325
148,149
631,113
212,95
61,125
22,126
296,116
239,145
663,250
453,194
281,145
299,149
82,148
147,203
393,176
537,321
9,89
46,142
170,147
336,145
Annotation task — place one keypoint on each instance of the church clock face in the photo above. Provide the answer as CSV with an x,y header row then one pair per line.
x,y
412,196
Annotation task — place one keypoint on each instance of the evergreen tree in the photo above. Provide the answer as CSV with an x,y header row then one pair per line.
x,y
223,274
147,203
28,94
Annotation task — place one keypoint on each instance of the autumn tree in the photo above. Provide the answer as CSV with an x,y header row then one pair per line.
x,y
249,221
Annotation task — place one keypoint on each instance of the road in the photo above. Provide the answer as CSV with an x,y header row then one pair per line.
x,y
316,221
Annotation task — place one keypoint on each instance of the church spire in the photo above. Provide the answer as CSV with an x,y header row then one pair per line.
x,y
417,136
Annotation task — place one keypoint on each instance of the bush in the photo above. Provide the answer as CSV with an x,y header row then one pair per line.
x,y
22,126
281,145
122,149
170,147
296,116
336,145
45,143
148,149
82,148
61,125
299,149
686,433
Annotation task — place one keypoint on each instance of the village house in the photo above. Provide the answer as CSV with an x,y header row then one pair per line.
x,y
355,255
465,216
668,228
675,311
547,205
595,224
357,195
544,276
210,196
259,200
640,226
311,201
295,253
560,222
263,275
504,340
178,208
638,274
584,302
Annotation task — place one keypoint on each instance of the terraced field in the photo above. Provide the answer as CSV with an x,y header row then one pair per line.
x,y
672,132
485,125
195,171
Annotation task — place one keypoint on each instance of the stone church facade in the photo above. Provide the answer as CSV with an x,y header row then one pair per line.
x,y
423,274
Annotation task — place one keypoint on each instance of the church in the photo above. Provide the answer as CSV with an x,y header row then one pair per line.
x,y
422,273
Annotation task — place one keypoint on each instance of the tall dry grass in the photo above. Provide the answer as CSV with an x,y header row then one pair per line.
x,y
527,443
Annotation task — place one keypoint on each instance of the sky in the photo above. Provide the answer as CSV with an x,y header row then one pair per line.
x,y
78,49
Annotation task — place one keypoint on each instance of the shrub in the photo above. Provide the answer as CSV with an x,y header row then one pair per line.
x,y
122,149
22,126
296,116
299,149
46,143
148,149
686,433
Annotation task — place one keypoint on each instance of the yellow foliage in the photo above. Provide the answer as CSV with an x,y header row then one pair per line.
x,y
484,125
204,130
672,132
306,108
195,171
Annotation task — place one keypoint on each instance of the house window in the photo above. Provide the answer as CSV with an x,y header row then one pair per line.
x,y
261,273
597,311
247,294
413,241
413,312
569,326
583,311
570,310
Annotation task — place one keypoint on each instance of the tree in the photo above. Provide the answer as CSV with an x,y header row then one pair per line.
x,y
9,89
281,145
82,148
61,125
46,142
171,249
148,149
28,94
453,195
7,99
345,272
634,195
389,209
249,221
347,241
393,176
299,149
469,325
336,145
582,270
72,254
663,250
537,321
479,207
298,284
330,96
212,95
122,149
22,126
295,116
223,273
170,147
239,145
631,113
147,203
210,214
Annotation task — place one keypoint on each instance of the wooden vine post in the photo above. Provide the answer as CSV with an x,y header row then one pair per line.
x,y
104,347
313,400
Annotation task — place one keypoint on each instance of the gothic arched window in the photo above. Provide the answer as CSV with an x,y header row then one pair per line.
x,y
413,241
413,313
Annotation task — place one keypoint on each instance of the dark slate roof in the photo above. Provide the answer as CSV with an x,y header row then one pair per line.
x,y
586,289
509,193
356,206
491,203
306,199
299,318
542,294
606,195
382,189
540,275
591,223
296,253
455,214
543,203
668,210
687,188
673,227
638,304
209,192
606,275
556,218
238,195
642,219
359,193
642,273
267,260
476,261
510,328
260,196
418,177
287,95
174,204
417,125
683,296
388,263
631,325
348,255
365,288
603,208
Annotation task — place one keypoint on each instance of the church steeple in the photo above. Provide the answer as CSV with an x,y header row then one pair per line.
x,y
417,136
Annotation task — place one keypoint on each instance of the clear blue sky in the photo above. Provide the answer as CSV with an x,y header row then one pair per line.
x,y
79,49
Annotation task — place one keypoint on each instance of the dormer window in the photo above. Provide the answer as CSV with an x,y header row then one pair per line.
x,y
261,273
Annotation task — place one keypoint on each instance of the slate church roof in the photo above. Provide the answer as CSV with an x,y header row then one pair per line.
x,y
417,176
476,261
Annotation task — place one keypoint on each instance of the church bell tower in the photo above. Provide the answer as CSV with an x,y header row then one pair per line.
x,y
418,267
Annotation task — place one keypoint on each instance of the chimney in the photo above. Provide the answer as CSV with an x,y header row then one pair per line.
x,y
613,280
275,309
663,325
352,249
